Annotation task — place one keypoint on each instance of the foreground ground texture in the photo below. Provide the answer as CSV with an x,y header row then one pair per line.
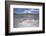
x,y
26,21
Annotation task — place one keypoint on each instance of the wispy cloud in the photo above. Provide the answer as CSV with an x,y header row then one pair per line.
x,y
26,10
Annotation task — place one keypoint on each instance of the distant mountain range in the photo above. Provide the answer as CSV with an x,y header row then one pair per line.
x,y
24,13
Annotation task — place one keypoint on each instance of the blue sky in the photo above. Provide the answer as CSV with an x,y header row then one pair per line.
x,y
26,10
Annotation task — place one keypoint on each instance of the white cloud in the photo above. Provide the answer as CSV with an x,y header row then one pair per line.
x,y
27,11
